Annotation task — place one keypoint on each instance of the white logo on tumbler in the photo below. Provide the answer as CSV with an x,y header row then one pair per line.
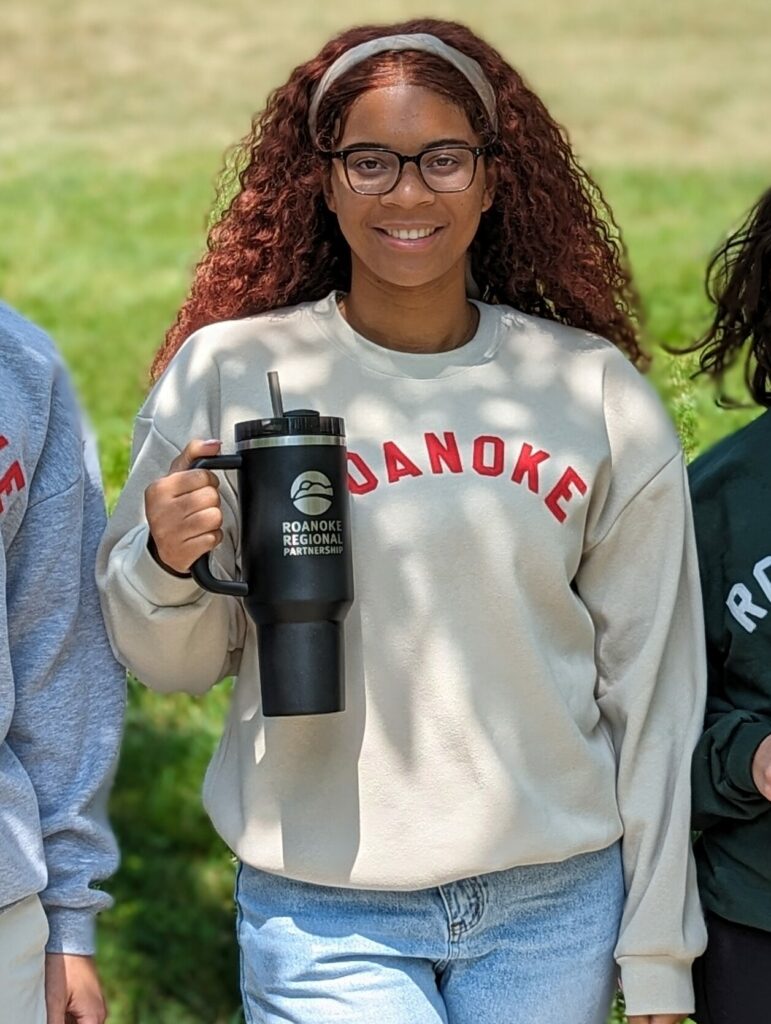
x,y
312,493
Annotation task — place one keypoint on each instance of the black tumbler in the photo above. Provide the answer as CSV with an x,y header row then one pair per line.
x,y
296,556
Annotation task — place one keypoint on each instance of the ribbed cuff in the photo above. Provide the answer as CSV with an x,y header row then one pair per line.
x,y
152,582
71,931
656,984
739,761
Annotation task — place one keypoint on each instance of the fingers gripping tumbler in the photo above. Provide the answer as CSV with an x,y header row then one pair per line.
x,y
297,581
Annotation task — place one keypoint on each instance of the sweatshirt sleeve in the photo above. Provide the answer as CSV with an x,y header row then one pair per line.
x,y
640,583
70,691
723,787
168,631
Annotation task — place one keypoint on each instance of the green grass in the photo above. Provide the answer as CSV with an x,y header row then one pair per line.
x,y
672,221
109,147
103,268
167,950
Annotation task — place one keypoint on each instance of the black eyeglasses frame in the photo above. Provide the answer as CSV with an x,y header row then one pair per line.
x,y
343,154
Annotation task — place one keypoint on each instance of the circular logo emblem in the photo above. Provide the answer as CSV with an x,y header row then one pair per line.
x,y
312,493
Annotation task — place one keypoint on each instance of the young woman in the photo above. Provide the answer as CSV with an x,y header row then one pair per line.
x,y
504,805
731,487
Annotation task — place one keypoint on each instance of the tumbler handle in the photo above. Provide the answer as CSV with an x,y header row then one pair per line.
x,y
200,568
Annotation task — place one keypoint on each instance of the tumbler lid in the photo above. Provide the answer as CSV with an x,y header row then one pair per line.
x,y
295,421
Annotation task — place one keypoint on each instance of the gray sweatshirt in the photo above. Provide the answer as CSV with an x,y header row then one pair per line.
x,y
62,693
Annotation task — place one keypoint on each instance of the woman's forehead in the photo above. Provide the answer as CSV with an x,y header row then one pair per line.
x,y
405,115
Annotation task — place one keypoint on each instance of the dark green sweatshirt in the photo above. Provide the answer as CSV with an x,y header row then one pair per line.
x,y
731,490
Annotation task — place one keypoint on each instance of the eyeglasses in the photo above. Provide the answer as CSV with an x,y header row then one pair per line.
x,y
372,171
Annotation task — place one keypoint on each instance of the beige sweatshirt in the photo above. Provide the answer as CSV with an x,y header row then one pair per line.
x,y
524,654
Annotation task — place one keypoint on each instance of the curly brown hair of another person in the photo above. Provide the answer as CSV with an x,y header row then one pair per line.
x,y
738,283
548,246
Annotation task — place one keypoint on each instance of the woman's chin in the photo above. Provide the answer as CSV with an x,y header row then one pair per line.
x,y
407,277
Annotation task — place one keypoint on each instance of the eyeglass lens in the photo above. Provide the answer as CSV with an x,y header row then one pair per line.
x,y
373,172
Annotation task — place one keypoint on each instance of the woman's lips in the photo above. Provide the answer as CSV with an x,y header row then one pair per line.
x,y
407,244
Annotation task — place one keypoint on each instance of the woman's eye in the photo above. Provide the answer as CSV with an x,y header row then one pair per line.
x,y
367,164
442,162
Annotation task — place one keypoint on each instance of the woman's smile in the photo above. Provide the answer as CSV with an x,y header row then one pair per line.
x,y
411,238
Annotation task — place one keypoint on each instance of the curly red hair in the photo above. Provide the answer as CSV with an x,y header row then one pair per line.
x,y
548,246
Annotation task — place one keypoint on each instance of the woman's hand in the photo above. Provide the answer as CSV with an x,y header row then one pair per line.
x,y
659,1018
183,510
761,768
73,993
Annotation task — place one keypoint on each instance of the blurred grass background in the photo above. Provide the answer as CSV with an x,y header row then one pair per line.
x,y
113,121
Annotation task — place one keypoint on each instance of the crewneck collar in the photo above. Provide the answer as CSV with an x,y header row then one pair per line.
x,y
480,348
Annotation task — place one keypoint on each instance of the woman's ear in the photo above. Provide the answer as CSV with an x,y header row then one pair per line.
x,y
491,182
327,189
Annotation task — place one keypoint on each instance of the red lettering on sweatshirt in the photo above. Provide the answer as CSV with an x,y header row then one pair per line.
x,y
562,492
397,463
12,479
446,453
527,464
488,455
367,481
488,459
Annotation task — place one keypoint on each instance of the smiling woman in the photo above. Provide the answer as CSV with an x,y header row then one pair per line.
x,y
402,230
499,821
547,244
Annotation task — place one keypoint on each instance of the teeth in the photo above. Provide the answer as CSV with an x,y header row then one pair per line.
x,y
406,235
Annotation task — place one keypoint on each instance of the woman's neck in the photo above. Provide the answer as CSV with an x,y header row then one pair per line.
x,y
432,318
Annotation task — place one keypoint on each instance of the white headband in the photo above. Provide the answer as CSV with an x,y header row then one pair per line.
x,y
468,67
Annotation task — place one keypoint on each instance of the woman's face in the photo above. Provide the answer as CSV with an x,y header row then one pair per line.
x,y
408,119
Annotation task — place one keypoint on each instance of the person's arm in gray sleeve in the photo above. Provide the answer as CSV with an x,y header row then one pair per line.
x,y
70,691
645,602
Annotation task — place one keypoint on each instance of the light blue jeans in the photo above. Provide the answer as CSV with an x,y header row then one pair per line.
x,y
531,945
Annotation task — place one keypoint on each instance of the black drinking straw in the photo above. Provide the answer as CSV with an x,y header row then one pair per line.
x,y
275,394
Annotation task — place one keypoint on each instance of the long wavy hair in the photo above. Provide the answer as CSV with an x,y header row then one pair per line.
x,y
548,246
738,283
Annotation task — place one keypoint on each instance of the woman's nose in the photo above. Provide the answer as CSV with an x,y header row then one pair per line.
x,y
410,189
